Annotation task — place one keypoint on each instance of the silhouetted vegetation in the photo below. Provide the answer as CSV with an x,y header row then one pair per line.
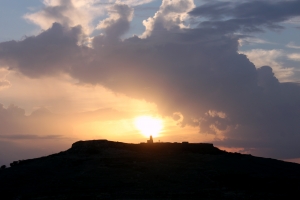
x,y
14,163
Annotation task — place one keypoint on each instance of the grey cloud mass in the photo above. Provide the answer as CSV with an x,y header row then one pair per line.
x,y
46,54
197,72
117,24
248,16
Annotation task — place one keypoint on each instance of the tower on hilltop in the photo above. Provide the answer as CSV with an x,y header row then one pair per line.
x,y
151,140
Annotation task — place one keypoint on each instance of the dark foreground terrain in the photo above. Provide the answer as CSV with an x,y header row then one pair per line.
x,y
112,170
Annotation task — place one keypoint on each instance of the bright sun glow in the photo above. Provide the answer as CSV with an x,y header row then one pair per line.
x,y
148,125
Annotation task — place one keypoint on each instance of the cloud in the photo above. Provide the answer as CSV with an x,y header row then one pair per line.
x,y
35,56
171,15
293,45
294,20
29,137
246,16
197,72
66,12
294,56
133,2
41,124
261,57
118,21
251,40
4,83
75,12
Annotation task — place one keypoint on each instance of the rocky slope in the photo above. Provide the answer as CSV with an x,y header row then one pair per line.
x,y
102,169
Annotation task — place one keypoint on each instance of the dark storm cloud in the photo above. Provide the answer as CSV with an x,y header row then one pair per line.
x,y
248,16
48,53
197,72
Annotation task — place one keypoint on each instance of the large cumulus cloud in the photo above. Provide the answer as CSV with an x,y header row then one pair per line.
x,y
195,71
171,16
74,12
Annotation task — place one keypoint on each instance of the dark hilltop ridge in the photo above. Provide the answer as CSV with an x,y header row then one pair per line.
x,y
102,169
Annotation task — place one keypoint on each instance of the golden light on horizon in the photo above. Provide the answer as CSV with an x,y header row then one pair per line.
x,y
148,125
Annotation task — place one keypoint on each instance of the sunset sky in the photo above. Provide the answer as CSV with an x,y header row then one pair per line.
x,y
223,72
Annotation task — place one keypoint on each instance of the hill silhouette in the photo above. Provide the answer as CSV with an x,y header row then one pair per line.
x,y
102,169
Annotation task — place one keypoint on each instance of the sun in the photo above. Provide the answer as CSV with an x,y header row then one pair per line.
x,y
148,125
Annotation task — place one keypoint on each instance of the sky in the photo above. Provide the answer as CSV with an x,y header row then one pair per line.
x,y
223,72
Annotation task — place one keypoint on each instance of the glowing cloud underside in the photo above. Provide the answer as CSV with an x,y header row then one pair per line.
x,y
148,125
